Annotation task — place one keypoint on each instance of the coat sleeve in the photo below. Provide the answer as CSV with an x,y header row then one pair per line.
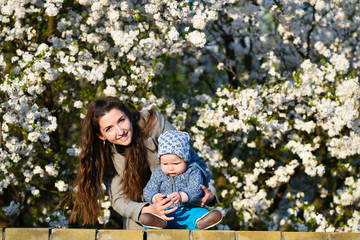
x,y
121,204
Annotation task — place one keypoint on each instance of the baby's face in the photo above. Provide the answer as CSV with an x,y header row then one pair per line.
x,y
172,164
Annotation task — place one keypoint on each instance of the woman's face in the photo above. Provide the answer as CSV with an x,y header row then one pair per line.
x,y
116,127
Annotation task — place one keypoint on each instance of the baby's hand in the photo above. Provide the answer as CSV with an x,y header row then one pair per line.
x,y
175,197
158,197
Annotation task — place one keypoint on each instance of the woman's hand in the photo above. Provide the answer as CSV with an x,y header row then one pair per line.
x,y
208,196
160,208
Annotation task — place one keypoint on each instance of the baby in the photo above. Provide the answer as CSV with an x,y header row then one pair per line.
x,y
178,179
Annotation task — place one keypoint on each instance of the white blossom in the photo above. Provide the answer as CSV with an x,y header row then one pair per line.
x,y
197,38
340,62
59,222
78,104
61,186
51,9
51,170
73,151
173,34
38,170
12,209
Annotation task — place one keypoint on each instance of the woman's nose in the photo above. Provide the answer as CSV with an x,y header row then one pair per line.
x,y
119,130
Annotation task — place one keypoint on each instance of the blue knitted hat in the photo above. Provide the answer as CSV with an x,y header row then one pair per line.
x,y
174,142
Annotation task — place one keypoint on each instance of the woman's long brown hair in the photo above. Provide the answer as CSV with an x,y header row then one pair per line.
x,y
96,159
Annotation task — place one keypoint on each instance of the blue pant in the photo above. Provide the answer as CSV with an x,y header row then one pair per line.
x,y
185,217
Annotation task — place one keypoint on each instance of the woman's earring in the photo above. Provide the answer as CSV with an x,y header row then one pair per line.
x,y
104,142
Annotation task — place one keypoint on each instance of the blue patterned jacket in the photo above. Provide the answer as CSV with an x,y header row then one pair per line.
x,y
187,182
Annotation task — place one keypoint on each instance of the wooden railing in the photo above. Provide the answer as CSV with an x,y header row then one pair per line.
x,y
95,234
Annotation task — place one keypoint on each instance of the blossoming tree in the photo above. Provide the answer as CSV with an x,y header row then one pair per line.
x,y
269,90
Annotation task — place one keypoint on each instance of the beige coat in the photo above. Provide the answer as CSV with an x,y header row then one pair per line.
x,y
129,209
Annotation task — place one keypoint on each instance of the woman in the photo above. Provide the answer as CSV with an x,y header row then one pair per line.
x,y
119,148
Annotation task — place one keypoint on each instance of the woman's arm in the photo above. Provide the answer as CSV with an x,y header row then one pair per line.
x,y
124,206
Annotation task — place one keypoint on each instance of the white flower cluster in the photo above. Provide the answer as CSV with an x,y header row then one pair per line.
x,y
253,200
61,186
331,112
353,224
73,151
349,194
312,167
57,220
2,62
320,220
105,212
12,209
282,174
